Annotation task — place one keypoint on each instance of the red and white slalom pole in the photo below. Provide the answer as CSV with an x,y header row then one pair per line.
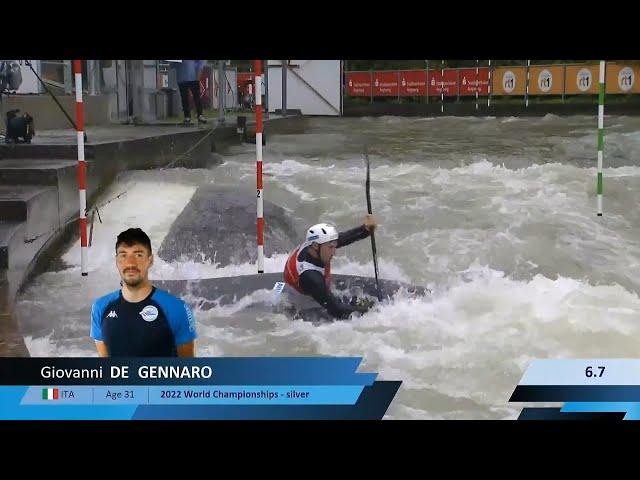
x,y
442,87
489,87
477,82
260,219
82,168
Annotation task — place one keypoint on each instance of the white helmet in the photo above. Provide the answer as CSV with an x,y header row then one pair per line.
x,y
321,233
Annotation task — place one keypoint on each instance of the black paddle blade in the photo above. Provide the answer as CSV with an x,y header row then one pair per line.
x,y
373,237
368,184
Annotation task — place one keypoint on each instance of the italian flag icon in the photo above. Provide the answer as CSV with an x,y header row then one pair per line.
x,y
50,394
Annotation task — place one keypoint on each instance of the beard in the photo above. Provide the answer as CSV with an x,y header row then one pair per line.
x,y
132,281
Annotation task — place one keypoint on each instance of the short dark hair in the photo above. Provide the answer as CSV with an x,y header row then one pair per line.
x,y
132,236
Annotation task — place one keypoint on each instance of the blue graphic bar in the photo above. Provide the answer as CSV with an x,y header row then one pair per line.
x,y
12,408
582,372
354,402
631,409
256,395
256,371
66,395
191,388
576,393
597,406
120,395
191,395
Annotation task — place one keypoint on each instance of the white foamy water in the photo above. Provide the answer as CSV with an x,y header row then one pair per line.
x,y
495,216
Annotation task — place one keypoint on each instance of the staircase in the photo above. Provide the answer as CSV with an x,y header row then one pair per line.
x,y
38,199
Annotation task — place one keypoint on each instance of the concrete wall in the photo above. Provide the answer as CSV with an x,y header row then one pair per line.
x,y
104,161
48,116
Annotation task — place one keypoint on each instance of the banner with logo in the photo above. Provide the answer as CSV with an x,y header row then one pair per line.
x,y
509,81
413,83
546,80
622,78
469,80
448,82
385,84
581,79
359,84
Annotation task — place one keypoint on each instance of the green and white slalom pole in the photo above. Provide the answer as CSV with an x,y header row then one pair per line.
x,y
601,92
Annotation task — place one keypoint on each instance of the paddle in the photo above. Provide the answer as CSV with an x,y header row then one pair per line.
x,y
373,237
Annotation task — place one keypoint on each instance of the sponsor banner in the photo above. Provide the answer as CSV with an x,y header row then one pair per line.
x,y
385,84
622,78
509,81
359,84
546,80
448,83
413,83
469,81
581,79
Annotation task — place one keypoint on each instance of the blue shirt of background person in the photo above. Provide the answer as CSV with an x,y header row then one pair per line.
x,y
189,70
140,320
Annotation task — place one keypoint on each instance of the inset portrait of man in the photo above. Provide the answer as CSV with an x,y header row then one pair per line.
x,y
140,320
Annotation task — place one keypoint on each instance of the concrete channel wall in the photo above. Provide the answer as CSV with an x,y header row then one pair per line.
x,y
39,206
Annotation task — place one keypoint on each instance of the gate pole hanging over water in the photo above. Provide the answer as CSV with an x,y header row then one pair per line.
x,y
526,94
601,92
82,169
442,87
260,217
477,82
489,87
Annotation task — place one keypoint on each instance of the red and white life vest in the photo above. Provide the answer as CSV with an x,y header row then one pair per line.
x,y
294,268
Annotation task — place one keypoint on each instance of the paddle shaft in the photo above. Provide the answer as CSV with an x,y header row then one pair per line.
x,y
373,236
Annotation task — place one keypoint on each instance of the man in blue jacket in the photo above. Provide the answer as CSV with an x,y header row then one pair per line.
x,y
188,73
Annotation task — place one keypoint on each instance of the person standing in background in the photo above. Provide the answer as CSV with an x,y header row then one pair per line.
x,y
188,74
